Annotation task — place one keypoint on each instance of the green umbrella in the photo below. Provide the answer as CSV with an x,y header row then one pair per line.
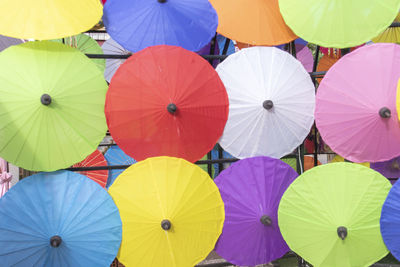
x,y
87,45
51,106
338,23
330,215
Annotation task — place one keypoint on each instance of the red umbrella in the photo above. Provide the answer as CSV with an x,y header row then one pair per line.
x,y
95,159
166,101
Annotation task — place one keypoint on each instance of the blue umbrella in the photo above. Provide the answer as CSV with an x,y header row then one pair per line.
x,y
137,24
58,219
221,43
390,221
215,155
115,156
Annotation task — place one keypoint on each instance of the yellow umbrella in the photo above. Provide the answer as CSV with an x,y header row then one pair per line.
x,y
338,158
390,35
44,20
172,213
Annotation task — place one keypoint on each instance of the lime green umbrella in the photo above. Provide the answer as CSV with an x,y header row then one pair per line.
x,y
330,215
87,45
338,23
51,106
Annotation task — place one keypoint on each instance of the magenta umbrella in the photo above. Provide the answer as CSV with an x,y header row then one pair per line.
x,y
251,190
5,177
356,104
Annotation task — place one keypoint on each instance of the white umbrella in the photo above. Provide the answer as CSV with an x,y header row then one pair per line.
x,y
271,102
111,47
8,41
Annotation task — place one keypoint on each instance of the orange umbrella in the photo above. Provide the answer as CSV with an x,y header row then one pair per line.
x,y
325,63
309,162
258,23
95,159
243,45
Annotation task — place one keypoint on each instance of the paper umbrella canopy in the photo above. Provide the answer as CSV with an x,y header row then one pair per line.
x,y
58,219
93,160
356,120
330,215
137,24
86,45
390,221
52,110
336,23
41,20
258,23
111,47
115,156
271,102
171,210
390,35
6,42
389,169
166,101
251,190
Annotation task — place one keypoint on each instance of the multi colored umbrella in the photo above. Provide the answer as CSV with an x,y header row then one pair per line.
x,y
6,42
93,160
355,119
171,210
41,20
330,215
111,47
86,45
346,23
271,102
51,106
259,23
389,169
390,221
58,219
390,35
137,24
165,100
5,177
115,156
251,190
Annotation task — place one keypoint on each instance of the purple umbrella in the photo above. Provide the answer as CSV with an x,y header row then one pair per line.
x,y
251,190
389,169
206,50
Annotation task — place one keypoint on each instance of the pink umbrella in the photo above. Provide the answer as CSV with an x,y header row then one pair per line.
x,y
5,177
304,54
356,104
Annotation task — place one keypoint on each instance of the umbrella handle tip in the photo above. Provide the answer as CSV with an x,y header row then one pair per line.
x,y
172,108
45,99
385,113
55,241
166,225
268,104
266,220
342,232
